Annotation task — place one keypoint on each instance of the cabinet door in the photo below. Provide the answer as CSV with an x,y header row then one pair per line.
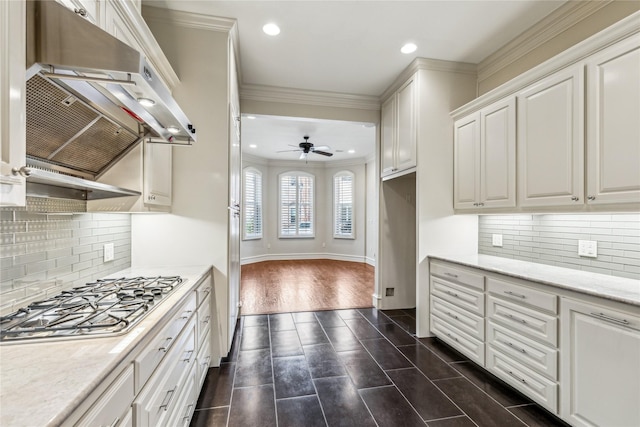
x,y
157,174
12,102
117,27
388,136
551,141
613,132
466,148
407,134
600,365
498,154
88,9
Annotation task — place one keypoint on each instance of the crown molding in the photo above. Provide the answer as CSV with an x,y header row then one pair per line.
x,y
188,19
558,21
427,64
626,27
308,97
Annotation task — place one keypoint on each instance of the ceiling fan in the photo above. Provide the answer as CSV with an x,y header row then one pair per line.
x,y
307,147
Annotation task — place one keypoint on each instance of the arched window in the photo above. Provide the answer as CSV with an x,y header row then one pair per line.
x,y
343,226
296,201
252,225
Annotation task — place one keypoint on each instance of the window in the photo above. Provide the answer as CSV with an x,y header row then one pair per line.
x,y
252,204
343,205
296,204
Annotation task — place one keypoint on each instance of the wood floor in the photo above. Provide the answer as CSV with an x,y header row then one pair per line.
x,y
305,285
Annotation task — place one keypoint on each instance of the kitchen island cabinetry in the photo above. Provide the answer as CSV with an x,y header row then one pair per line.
x,y
399,133
12,103
613,134
485,157
600,364
567,339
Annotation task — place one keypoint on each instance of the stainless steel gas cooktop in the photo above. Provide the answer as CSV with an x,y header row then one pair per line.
x,y
104,307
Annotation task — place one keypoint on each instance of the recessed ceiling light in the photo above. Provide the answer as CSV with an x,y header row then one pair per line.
x,y
253,146
147,102
271,29
351,151
251,117
173,129
408,48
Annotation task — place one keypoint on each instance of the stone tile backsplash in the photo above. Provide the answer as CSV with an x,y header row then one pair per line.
x,y
553,239
44,253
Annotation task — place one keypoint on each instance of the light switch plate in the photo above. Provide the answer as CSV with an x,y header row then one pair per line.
x,y
496,240
588,248
109,253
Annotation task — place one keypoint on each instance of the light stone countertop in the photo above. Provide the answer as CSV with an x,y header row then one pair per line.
x,y
610,287
42,383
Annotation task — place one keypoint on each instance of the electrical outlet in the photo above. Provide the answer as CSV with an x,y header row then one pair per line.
x,y
109,254
496,240
588,248
389,292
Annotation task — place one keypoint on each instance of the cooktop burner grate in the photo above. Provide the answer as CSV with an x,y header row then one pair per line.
x,y
107,306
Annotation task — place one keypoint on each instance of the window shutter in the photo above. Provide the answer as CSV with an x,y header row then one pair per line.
x,y
252,204
343,205
296,205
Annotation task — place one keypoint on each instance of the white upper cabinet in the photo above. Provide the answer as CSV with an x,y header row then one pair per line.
x,y
399,133
12,103
613,124
92,10
157,174
551,141
484,147
466,140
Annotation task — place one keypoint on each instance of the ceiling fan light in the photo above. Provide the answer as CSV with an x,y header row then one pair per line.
x,y
253,146
409,48
351,151
271,29
147,102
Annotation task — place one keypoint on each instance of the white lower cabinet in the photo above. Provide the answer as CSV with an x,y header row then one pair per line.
x,y
113,408
600,364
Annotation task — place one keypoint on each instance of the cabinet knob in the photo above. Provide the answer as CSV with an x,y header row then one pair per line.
x,y
591,198
82,12
22,171
481,204
575,198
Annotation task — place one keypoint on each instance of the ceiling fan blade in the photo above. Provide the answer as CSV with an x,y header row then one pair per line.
x,y
303,155
321,148
286,151
324,153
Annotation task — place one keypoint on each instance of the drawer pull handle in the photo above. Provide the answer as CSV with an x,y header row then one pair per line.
x,y
186,417
455,276
512,317
206,320
168,399
611,319
188,358
165,347
452,315
513,294
452,337
517,377
510,344
453,294
186,314
206,291
206,361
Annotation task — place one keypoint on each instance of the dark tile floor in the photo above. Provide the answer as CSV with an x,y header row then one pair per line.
x,y
353,368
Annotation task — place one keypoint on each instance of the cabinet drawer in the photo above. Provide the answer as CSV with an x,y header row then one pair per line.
x,y
537,356
534,385
459,295
111,408
465,277
204,320
204,290
204,360
522,294
517,318
158,398
146,362
461,319
183,411
470,347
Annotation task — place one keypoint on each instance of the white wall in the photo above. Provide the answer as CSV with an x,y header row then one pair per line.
x,y
371,236
271,247
195,233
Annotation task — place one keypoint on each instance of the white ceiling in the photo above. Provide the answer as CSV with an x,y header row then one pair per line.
x,y
353,47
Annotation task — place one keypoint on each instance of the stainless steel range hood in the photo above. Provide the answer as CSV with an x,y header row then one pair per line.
x,y
85,95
